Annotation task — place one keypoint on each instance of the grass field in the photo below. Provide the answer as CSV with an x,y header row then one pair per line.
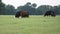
x,y
31,25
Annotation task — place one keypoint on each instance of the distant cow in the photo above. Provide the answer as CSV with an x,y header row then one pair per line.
x,y
22,14
50,13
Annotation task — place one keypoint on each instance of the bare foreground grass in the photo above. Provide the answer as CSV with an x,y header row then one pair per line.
x,y
31,25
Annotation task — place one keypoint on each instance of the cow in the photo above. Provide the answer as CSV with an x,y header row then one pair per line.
x,y
17,15
22,14
50,13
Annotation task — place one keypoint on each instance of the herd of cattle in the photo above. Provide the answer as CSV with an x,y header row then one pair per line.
x,y
26,14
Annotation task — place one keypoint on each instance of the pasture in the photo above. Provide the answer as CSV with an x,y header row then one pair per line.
x,y
31,25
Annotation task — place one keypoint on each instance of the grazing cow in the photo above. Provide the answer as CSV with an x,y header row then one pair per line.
x,y
17,15
22,14
50,13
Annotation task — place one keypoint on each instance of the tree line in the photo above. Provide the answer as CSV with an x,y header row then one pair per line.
x,y
10,9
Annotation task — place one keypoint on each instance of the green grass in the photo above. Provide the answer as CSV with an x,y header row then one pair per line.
x,y
31,25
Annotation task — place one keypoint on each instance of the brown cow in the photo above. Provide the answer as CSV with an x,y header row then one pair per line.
x,y
22,14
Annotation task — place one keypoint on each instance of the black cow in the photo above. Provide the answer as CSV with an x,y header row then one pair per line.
x,y
50,13
17,15
22,14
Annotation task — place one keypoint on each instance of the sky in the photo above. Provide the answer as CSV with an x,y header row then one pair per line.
x,y
17,3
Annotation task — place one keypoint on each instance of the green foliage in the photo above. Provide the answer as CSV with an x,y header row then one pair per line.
x,y
2,8
31,10
10,9
31,25
6,9
0,0
28,4
34,5
57,9
44,8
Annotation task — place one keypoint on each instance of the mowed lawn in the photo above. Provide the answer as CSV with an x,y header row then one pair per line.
x,y
31,25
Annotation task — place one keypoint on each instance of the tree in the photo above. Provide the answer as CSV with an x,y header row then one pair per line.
x,y
2,7
34,5
28,4
0,0
27,7
43,8
57,9
10,10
